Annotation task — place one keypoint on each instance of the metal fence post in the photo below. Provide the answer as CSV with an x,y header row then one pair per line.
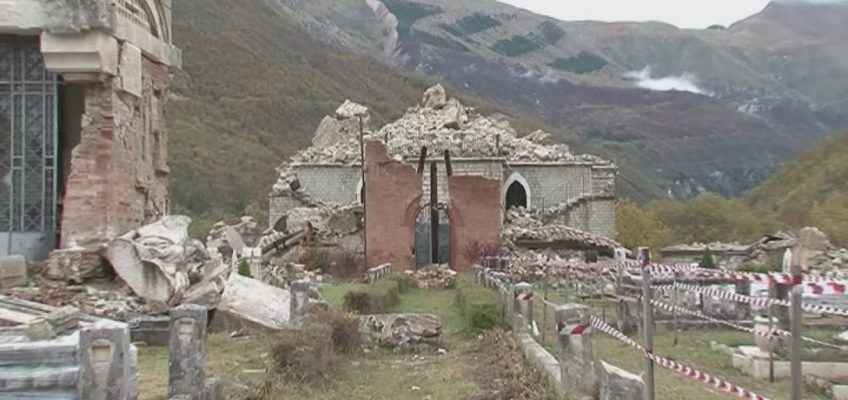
x,y
648,321
797,342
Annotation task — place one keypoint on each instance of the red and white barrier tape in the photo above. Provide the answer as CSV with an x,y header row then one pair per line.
x,y
767,334
707,379
762,302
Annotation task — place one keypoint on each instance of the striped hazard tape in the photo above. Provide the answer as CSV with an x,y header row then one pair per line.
x,y
761,301
689,372
764,333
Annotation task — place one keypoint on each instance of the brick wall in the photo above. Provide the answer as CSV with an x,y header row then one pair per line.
x,y
476,214
393,194
119,174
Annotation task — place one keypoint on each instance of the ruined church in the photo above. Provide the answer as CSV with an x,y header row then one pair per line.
x,y
442,161
83,152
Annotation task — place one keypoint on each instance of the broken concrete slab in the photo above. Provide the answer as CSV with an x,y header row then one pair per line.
x,y
401,330
250,304
13,272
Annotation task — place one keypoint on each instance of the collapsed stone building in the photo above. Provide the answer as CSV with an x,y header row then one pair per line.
x,y
470,170
83,149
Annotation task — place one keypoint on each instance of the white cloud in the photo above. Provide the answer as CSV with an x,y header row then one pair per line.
x,y
683,13
684,83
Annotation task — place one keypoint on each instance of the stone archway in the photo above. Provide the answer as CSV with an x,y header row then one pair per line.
x,y
516,192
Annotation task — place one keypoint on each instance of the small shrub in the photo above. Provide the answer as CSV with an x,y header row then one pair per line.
x,y
376,298
476,252
344,330
345,264
313,259
405,282
480,307
305,354
244,268
708,261
759,268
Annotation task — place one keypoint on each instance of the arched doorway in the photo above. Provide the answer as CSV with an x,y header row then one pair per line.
x,y
423,244
516,196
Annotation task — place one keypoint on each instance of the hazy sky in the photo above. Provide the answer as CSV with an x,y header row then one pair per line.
x,y
683,13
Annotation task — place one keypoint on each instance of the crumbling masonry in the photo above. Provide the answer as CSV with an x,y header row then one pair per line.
x,y
82,90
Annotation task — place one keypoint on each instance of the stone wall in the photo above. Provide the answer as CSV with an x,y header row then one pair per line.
x,y
119,174
393,191
476,214
602,217
551,185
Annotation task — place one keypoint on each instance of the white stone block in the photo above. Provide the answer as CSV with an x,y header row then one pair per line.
x,y
12,271
130,70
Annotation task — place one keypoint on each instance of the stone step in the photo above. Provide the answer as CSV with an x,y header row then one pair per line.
x,y
14,379
38,355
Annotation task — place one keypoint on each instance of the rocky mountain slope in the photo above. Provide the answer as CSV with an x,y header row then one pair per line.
x,y
253,89
717,109
809,180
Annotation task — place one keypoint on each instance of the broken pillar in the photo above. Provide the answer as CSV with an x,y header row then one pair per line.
x,y
187,359
250,304
105,362
618,384
13,272
522,306
576,358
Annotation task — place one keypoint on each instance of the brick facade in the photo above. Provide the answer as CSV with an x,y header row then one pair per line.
x,y
476,215
119,174
393,196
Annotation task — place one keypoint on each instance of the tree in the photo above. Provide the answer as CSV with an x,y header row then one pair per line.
x,y
708,261
637,227
831,216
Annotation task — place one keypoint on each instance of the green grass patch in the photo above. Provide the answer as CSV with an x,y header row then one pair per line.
x,y
516,46
582,63
480,307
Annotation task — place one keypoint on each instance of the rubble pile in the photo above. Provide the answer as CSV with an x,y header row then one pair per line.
x,y
225,239
526,226
160,263
401,331
441,124
116,303
434,278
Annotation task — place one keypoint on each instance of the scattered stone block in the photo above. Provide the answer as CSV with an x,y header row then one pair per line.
x,y
401,330
618,384
250,304
13,272
213,389
75,265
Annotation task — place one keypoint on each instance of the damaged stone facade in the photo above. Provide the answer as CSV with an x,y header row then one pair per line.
x,y
489,170
532,172
104,68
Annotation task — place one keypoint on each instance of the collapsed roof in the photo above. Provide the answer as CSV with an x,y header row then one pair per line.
x,y
440,124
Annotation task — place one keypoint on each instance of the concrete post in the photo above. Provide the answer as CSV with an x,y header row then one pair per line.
x,y
105,362
187,361
576,359
522,304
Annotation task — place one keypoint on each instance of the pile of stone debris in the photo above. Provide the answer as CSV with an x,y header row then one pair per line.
x,y
434,278
528,226
441,124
